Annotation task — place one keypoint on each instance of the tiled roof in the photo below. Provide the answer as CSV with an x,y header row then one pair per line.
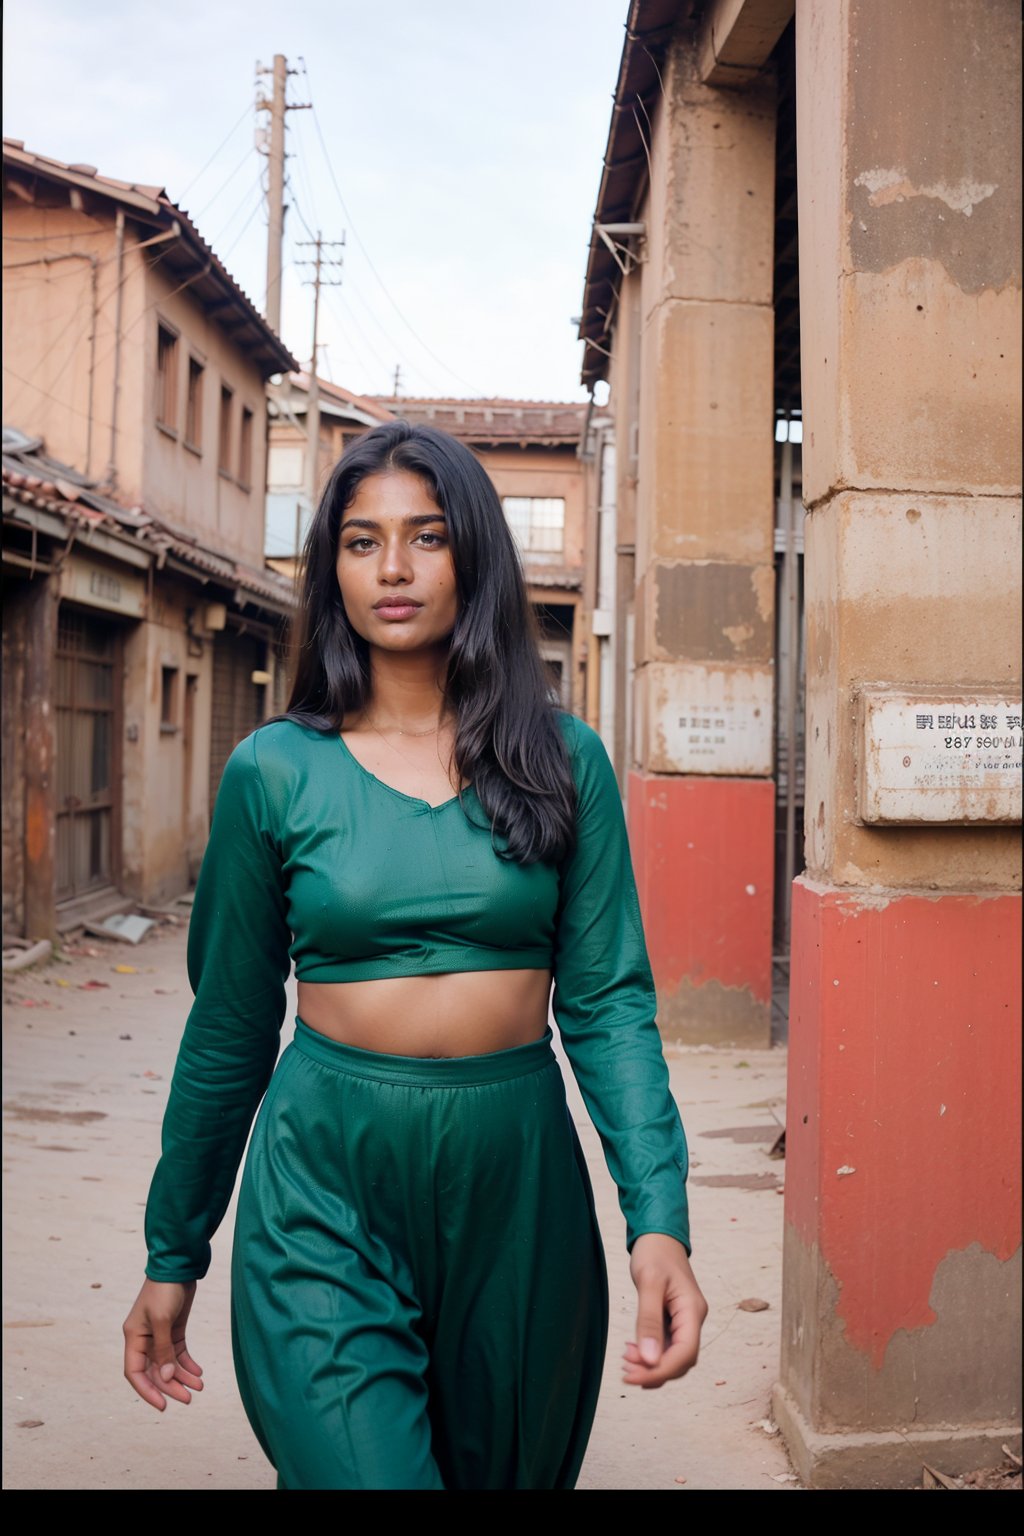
x,y
32,479
187,256
337,392
547,422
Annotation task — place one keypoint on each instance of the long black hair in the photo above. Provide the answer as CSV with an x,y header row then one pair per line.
x,y
508,744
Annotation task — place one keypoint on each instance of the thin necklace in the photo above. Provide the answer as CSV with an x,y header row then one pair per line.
x,y
431,730
437,747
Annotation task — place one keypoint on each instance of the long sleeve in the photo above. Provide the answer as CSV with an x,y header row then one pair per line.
x,y
238,963
605,1006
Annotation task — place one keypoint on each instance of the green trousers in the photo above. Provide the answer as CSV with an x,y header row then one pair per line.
x,y
419,1296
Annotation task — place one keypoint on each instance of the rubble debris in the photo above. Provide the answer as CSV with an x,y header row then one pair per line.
x,y
127,926
17,957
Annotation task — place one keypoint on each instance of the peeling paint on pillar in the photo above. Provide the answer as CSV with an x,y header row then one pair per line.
x,y
910,990
948,187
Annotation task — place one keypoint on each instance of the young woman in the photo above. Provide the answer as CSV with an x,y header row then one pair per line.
x,y
419,1296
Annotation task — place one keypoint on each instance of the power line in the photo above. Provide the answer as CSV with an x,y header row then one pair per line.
x,y
225,183
397,348
230,135
256,208
355,235
257,185
375,355
300,159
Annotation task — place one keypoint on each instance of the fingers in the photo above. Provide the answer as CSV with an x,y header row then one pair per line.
x,y
158,1364
186,1362
190,1375
650,1360
675,1362
677,1359
650,1323
136,1363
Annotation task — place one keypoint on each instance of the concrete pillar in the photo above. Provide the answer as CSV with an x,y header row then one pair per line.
x,y
701,799
901,1330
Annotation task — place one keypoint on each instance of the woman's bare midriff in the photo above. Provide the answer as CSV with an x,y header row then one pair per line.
x,y
456,1013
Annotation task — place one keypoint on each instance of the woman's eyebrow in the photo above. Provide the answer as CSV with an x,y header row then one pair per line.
x,y
414,520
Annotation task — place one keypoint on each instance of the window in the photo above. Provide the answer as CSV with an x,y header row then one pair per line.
x,y
224,448
166,379
245,449
284,467
168,698
537,523
194,406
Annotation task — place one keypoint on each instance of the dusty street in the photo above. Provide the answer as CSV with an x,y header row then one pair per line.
x,y
88,1054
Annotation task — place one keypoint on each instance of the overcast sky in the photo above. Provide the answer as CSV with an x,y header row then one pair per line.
x,y
465,136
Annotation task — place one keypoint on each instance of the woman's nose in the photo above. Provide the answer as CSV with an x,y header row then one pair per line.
x,y
395,564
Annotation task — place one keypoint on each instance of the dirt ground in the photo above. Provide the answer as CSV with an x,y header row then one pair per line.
x,y
88,1054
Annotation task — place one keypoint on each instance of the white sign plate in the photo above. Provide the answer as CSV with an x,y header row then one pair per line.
x,y
946,758
121,589
710,720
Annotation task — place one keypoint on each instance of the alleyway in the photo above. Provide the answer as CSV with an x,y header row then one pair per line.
x,y
88,1053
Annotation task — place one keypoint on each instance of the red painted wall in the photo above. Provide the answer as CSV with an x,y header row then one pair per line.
x,y
903,1112
702,851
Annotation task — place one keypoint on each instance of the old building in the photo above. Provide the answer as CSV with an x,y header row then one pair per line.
x,y
142,630
804,282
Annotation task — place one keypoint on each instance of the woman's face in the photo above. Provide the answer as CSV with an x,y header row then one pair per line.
x,y
394,565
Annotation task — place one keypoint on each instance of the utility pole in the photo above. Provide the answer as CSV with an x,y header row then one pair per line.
x,y
277,105
318,281
398,380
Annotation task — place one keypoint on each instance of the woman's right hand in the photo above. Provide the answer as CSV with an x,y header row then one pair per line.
x,y
156,1359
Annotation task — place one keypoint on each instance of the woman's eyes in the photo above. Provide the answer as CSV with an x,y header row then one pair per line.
x,y
428,538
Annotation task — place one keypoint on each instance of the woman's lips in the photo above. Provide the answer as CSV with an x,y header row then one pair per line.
x,y
397,608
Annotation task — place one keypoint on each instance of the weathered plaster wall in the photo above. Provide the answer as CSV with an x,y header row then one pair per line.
x,y
901,1286
189,486
165,822
705,582
904,589
916,208
54,339
903,1157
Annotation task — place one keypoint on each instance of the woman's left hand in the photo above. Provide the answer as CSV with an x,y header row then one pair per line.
x,y
671,1313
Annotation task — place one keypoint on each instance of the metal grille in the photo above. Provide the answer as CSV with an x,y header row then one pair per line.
x,y
86,659
238,702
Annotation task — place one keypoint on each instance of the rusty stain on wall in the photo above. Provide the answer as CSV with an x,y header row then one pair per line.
x,y
709,611
710,1012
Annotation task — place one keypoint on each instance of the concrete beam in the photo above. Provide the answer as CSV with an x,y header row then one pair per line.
x,y
737,37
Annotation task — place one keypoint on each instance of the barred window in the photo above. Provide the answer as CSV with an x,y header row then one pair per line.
x,y
537,522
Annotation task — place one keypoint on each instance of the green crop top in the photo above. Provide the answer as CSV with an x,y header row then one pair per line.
x,y
312,860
